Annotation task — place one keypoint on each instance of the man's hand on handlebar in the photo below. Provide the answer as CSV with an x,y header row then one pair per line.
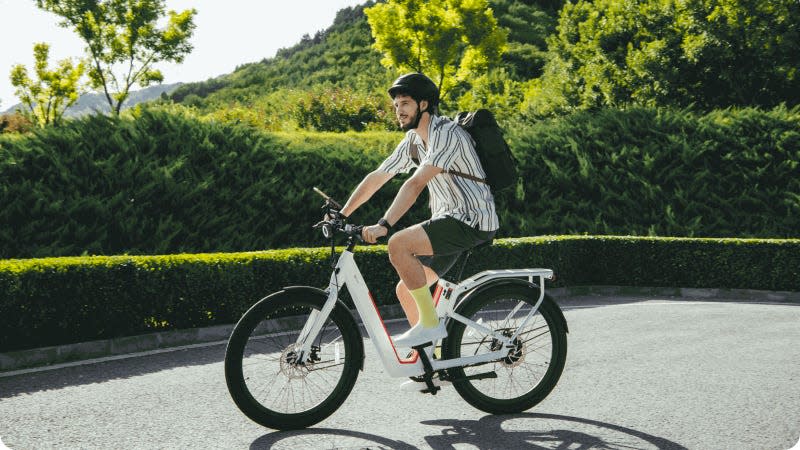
x,y
372,233
333,215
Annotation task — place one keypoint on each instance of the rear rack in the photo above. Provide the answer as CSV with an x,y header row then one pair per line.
x,y
508,273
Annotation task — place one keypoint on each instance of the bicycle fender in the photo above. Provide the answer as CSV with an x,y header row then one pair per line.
x,y
317,292
491,284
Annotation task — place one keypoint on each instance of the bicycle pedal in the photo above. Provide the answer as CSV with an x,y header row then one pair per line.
x,y
432,389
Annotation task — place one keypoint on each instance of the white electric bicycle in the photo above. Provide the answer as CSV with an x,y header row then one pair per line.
x,y
294,356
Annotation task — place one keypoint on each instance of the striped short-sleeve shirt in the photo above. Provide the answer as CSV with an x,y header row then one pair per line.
x,y
450,148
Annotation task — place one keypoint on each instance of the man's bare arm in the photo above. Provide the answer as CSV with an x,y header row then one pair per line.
x,y
365,190
409,192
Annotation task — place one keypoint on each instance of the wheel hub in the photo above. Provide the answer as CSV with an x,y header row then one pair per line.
x,y
292,367
516,355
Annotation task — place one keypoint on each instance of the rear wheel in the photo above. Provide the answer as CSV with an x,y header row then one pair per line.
x,y
530,370
266,376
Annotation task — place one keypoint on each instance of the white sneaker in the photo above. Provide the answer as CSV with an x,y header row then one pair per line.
x,y
417,386
419,335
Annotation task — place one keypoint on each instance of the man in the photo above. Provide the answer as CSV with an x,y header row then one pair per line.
x,y
463,211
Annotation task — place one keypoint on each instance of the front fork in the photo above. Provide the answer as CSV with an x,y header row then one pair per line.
x,y
315,321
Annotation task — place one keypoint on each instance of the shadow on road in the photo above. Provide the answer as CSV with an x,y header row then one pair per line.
x,y
326,438
535,431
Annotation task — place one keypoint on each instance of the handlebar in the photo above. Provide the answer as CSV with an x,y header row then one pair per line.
x,y
336,221
328,199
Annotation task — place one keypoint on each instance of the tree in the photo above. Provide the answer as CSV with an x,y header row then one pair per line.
x,y
47,97
123,41
448,40
706,53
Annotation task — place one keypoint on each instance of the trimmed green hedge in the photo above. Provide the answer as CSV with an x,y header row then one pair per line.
x,y
658,172
162,182
66,300
165,183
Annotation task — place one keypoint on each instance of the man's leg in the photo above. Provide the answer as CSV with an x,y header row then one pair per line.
x,y
407,301
404,247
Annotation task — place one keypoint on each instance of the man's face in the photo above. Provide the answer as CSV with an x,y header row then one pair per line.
x,y
406,109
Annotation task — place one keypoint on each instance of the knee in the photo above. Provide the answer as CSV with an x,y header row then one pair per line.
x,y
396,246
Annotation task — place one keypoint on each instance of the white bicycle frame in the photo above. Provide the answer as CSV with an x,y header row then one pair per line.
x,y
347,273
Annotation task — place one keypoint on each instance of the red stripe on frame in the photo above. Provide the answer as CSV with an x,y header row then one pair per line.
x,y
437,294
401,361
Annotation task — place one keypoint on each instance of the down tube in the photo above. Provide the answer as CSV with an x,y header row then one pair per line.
x,y
394,364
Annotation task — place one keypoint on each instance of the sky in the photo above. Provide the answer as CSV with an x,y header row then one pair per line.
x,y
229,33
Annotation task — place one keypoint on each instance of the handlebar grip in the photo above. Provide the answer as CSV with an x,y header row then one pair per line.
x,y
327,198
354,230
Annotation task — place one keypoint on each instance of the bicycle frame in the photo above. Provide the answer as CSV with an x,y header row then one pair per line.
x,y
346,273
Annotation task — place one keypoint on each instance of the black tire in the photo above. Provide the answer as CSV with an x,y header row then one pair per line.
x,y
261,378
530,371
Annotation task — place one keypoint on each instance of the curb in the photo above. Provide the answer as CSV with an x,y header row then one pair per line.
x,y
46,356
688,293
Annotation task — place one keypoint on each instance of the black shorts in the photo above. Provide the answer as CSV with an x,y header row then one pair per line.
x,y
449,239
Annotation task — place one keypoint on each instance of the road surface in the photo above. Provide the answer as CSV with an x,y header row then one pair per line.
x,y
641,373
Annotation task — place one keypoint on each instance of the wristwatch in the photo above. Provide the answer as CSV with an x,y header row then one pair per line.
x,y
384,223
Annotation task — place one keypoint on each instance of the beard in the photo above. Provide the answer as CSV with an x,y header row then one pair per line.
x,y
413,123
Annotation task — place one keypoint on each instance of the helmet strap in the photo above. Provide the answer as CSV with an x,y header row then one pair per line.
x,y
419,117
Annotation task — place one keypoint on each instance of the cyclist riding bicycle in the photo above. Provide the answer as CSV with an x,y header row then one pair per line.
x,y
462,209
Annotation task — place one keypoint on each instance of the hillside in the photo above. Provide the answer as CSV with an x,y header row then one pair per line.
x,y
342,56
96,102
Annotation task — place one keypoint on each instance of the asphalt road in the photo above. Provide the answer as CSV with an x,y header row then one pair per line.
x,y
641,373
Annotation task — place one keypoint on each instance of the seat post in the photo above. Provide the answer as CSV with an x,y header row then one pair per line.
x,y
464,264
467,255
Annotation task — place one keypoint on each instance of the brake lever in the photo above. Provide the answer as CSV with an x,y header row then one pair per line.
x,y
355,230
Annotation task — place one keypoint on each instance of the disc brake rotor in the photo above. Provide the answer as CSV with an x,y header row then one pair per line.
x,y
290,365
516,355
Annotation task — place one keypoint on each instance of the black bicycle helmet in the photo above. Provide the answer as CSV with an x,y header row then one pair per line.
x,y
417,86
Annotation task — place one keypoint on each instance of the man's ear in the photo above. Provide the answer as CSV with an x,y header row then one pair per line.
x,y
423,105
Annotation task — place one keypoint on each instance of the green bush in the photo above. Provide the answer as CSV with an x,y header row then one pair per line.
x,y
164,182
646,171
339,110
65,300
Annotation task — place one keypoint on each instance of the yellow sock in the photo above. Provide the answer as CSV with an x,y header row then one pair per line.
x,y
427,313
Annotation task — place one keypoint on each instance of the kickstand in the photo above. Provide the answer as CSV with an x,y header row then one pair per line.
x,y
426,363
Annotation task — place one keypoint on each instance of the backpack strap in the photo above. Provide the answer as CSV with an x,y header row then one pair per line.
x,y
414,152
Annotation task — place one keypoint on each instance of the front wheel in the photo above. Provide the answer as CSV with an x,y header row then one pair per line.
x,y
532,367
267,378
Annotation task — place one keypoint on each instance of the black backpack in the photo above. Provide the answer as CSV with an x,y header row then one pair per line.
x,y
493,151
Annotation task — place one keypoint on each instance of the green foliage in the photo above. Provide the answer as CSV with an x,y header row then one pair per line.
x,y
340,57
65,300
705,53
123,40
647,171
53,91
166,182
496,90
448,40
342,110
529,24
343,58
